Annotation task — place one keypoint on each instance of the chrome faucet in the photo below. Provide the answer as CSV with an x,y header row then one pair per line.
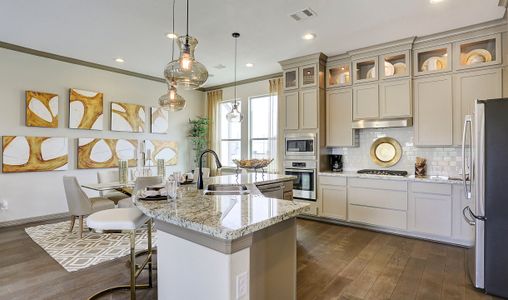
x,y
217,162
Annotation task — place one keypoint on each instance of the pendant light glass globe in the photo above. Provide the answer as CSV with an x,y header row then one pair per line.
x,y
186,71
234,116
171,101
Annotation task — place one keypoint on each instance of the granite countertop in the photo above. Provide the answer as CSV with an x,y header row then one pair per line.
x,y
226,217
434,179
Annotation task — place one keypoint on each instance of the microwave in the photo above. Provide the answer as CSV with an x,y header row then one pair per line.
x,y
300,146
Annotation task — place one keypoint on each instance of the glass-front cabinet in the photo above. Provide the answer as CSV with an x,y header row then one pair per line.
x,y
394,65
477,52
308,75
432,60
365,70
338,75
290,79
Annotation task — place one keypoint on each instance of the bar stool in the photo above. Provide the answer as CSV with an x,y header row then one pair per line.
x,y
125,220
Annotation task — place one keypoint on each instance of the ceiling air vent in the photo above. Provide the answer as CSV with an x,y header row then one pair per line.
x,y
303,14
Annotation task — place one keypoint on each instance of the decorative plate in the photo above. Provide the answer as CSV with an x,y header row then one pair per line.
x,y
385,152
434,63
389,69
400,68
371,74
478,56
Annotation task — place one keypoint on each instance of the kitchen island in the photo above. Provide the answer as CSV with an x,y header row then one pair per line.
x,y
226,246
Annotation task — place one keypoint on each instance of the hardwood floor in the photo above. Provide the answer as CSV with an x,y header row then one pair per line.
x,y
334,262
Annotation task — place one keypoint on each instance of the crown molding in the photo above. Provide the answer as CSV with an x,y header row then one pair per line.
x,y
245,81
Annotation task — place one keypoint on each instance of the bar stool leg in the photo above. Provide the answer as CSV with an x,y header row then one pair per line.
x,y
133,265
150,253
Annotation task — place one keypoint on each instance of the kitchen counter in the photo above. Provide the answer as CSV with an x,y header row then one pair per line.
x,y
228,246
433,179
226,217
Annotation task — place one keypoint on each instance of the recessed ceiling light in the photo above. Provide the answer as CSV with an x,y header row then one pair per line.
x,y
309,36
249,65
119,60
171,35
435,1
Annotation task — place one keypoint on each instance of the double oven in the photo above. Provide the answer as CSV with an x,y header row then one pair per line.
x,y
301,162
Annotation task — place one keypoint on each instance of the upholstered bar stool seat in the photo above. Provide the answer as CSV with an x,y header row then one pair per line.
x,y
125,220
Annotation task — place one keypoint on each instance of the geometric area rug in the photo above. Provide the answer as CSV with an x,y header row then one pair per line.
x,y
75,254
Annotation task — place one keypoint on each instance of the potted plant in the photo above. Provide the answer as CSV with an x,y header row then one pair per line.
x,y
198,134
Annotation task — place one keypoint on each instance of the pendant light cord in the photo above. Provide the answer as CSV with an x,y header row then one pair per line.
x,y
236,49
187,33
173,32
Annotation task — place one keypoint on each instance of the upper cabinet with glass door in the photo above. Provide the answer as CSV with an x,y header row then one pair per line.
x,y
432,60
394,65
365,70
338,75
308,76
290,79
477,52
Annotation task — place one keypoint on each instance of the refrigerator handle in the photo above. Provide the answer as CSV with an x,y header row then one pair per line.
x,y
469,221
467,190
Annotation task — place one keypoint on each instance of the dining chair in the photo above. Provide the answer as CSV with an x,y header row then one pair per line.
x,y
141,183
80,205
106,177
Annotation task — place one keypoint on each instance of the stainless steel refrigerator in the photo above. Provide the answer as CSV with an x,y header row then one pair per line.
x,y
485,178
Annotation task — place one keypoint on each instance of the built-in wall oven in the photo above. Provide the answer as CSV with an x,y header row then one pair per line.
x,y
300,146
304,186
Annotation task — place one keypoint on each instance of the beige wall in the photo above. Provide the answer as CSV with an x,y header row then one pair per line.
x,y
38,194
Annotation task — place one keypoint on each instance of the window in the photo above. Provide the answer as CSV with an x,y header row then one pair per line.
x,y
229,135
263,127
259,128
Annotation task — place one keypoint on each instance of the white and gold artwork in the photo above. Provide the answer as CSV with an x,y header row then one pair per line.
x,y
41,109
159,120
105,153
127,117
167,150
34,154
86,110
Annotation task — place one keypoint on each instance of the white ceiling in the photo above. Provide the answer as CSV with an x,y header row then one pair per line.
x,y
102,30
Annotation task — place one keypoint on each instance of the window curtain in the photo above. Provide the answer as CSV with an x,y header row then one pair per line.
x,y
214,98
276,144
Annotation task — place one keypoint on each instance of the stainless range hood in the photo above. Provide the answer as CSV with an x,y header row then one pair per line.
x,y
404,122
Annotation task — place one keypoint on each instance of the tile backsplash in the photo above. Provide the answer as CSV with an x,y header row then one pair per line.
x,y
440,161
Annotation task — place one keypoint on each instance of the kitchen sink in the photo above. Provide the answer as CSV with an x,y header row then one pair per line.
x,y
226,189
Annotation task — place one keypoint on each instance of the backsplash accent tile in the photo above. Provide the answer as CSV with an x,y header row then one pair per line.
x,y
440,161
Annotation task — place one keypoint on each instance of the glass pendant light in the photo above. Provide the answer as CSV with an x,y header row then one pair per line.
x,y
187,72
172,101
235,116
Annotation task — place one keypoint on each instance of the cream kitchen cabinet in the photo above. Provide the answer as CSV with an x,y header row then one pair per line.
x,y
333,195
433,111
462,232
366,102
469,86
308,108
430,209
395,99
292,110
339,117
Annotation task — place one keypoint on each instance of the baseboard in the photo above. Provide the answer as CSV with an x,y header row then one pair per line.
x,y
33,219
460,243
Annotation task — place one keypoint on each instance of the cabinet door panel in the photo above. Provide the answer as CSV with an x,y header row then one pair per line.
x,y
309,109
432,214
365,102
333,199
339,118
433,111
469,86
395,99
291,103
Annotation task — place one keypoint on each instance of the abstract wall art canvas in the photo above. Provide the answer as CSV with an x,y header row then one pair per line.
x,y
105,153
34,154
166,150
41,109
86,110
127,117
159,120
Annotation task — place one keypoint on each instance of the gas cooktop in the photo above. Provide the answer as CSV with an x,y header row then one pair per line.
x,y
382,172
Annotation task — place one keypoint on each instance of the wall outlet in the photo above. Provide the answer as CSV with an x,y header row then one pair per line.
x,y
242,285
4,204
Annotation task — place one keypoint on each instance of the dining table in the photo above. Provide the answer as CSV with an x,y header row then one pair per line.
x,y
125,188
